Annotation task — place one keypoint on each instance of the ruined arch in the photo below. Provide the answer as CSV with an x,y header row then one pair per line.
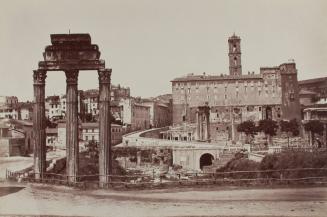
x,y
206,159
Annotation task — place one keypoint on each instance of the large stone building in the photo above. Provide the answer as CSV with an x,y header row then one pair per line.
x,y
90,132
135,115
233,98
317,85
8,100
160,113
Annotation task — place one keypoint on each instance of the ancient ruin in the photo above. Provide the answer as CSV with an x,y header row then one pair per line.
x,y
71,53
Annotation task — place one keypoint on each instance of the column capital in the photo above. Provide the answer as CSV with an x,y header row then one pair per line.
x,y
71,76
104,76
39,76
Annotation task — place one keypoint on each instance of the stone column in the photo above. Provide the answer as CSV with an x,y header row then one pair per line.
x,y
207,125
72,148
324,136
105,163
201,126
39,124
205,129
197,125
138,158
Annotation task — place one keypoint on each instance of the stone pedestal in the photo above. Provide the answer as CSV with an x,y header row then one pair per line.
x,y
39,124
72,149
105,164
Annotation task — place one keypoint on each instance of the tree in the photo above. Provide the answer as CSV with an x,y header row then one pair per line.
x,y
290,127
247,127
314,127
269,127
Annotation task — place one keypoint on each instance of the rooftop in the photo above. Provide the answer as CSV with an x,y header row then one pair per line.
x,y
204,77
313,80
62,39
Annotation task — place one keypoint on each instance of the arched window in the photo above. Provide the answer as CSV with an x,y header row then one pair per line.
x,y
234,47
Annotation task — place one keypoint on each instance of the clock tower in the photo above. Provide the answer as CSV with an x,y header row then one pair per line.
x,y
235,67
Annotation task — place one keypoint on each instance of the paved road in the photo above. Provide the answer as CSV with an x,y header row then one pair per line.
x,y
38,199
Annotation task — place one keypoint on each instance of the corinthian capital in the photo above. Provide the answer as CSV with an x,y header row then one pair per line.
x,y
39,76
104,75
71,76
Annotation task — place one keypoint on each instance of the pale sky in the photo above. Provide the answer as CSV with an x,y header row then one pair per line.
x,y
148,43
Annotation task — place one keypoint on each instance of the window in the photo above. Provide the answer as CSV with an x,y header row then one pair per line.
x,y
86,138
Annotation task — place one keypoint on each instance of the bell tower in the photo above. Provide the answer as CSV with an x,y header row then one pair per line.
x,y
235,66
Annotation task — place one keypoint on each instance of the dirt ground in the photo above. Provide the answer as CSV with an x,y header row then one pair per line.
x,y
41,199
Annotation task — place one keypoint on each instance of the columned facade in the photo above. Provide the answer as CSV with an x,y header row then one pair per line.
x,y
71,53
39,124
105,164
72,148
203,123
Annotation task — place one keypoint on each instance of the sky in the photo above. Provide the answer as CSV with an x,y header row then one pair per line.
x,y
148,43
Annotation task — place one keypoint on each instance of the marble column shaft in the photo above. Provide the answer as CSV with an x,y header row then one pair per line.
x,y
39,124
105,162
207,114
72,148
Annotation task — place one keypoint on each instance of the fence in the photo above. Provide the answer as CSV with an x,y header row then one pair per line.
x,y
263,177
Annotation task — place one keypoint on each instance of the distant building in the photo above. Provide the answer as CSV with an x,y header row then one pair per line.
x,y
8,100
317,112
51,137
91,97
117,92
53,107
231,99
90,102
25,110
160,113
317,85
16,137
9,111
135,115
308,97
90,132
